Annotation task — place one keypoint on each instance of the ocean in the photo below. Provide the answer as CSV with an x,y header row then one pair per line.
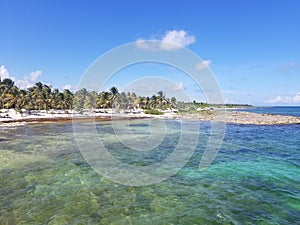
x,y
254,179
277,110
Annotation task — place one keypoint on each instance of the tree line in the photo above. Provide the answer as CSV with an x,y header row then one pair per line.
x,y
43,97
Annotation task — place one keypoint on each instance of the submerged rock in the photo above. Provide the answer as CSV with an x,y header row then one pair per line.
x,y
80,163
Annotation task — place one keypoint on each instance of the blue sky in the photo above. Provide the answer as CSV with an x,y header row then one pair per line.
x,y
252,47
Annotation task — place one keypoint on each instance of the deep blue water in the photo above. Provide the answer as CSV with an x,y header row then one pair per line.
x,y
255,178
279,110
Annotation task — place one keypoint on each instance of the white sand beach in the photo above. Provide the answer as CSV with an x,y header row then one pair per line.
x,y
11,116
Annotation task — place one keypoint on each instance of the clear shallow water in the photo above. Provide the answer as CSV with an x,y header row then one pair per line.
x,y
255,179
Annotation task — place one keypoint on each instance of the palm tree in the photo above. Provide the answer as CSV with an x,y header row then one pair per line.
x,y
79,98
21,100
146,103
90,101
153,101
40,96
113,94
3,92
121,101
56,99
9,100
173,102
138,102
103,100
161,98
28,103
114,91
46,93
68,99
6,83
37,97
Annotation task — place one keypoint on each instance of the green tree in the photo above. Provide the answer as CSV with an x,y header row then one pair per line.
x,y
90,101
113,94
37,97
173,102
103,100
153,101
68,99
7,83
79,98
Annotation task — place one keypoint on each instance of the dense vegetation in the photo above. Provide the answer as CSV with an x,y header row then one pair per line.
x,y
40,96
43,97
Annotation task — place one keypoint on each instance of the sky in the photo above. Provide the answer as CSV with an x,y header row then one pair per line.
x,y
251,47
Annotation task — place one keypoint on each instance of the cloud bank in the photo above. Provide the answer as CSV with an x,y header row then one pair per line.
x,y
285,99
26,82
3,73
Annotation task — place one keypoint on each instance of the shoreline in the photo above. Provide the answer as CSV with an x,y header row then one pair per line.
x,y
67,119
251,118
228,117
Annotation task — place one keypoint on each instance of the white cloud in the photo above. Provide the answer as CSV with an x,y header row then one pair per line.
x,y
34,76
180,86
203,64
28,81
285,99
3,73
24,83
148,44
279,99
296,98
140,43
177,39
172,40
67,86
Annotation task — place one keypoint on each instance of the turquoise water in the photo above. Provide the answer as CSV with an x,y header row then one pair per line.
x,y
255,179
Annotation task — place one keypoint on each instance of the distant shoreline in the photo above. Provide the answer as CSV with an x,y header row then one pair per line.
x,y
228,117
